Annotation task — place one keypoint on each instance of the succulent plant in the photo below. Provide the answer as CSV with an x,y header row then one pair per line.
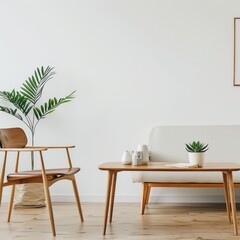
x,y
196,147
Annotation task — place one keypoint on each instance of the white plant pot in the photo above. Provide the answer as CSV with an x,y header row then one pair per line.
x,y
196,158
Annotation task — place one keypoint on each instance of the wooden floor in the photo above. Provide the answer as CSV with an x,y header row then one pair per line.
x,y
161,221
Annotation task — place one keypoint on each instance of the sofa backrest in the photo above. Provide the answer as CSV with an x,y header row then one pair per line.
x,y
168,142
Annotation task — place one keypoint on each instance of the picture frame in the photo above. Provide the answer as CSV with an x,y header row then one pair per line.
x,y
236,53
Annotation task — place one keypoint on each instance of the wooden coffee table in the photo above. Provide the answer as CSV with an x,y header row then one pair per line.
x,y
225,168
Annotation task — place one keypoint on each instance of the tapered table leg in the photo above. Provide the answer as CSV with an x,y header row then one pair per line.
x,y
144,193
148,194
232,199
114,181
109,186
226,193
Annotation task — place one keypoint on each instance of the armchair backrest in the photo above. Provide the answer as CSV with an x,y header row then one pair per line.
x,y
12,138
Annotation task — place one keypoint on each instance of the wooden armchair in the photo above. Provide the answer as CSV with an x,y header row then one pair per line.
x,y
15,140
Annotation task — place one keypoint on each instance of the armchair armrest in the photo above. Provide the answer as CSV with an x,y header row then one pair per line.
x,y
50,147
26,149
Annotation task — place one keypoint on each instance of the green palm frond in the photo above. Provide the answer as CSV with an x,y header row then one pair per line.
x,y
25,100
33,87
50,106
18,100
11,111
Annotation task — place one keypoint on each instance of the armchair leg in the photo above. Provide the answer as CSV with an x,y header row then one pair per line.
x,y
47,195
2,176
1,190
11,203
49,206
75,189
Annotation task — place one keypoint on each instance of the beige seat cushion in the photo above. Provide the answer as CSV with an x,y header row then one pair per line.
x,y
184,177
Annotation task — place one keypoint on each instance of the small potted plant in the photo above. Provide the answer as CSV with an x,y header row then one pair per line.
x,y
196,152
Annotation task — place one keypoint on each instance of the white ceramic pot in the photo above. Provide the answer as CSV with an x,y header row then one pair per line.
x,y
196,158
137,158
126,158
145,153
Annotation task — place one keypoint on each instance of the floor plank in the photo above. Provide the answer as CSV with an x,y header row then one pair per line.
x,y
161,221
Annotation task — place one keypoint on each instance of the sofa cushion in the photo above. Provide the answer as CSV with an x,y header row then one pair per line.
x,y
181,177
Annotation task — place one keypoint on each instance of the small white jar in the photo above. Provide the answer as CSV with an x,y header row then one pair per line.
x,y
137,158
126,158
145,153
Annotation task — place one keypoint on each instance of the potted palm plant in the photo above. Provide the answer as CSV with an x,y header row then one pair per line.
x,y
196,152
24,105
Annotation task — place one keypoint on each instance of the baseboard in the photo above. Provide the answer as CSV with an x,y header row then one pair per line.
x,y
137,198
153,198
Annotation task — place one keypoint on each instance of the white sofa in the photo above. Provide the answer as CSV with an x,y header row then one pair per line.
x,y
168,145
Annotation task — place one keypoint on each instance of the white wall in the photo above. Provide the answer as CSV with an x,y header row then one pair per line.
x,y
134,63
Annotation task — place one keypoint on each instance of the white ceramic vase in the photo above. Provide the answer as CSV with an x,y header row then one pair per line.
x,y
145,153
196,158
137,158
126,158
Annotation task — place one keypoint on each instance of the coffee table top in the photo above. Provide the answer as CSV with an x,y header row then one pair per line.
x,y
169,166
